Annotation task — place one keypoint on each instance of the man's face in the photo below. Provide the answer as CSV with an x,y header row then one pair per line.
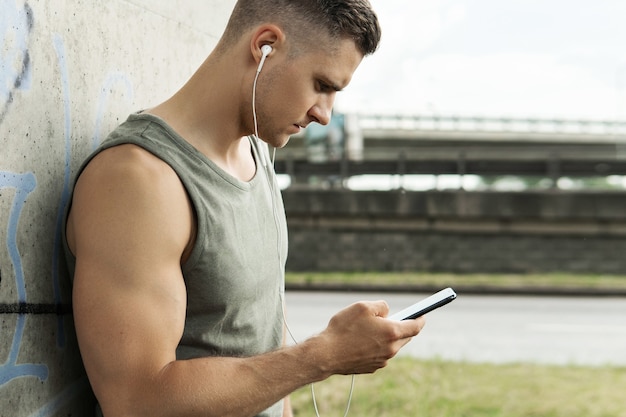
x,y
291,93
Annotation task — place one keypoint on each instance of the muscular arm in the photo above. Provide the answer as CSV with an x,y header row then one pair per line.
x,y
130,226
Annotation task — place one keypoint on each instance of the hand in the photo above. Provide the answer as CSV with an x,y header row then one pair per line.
x,y
359,339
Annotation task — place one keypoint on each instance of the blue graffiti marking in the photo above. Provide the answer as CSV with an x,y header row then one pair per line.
x,y
15,27
24,184
65,194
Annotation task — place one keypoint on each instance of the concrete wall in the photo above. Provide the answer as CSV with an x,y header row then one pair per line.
x,y
456,231
69,71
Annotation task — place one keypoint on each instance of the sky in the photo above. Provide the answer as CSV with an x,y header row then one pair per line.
x,y
513,58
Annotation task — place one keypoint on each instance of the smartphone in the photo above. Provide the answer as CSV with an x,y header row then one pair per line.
x,y
428,304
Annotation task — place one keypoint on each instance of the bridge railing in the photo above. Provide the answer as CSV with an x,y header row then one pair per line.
x,y
488,146
492,124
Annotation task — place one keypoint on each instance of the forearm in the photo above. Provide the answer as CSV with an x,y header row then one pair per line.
x,y
357,340
226,387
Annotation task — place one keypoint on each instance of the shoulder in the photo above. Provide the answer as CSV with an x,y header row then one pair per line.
x,y
127,189
125,159
131,177
127,168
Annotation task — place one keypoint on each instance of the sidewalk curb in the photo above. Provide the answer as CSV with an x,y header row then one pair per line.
x,y
473,289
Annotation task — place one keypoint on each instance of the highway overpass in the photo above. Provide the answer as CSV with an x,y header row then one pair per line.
x,y
492,146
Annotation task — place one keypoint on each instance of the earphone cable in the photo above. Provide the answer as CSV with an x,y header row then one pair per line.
x,y
317,413
256,126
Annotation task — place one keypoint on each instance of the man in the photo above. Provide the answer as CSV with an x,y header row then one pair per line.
x,y
177,235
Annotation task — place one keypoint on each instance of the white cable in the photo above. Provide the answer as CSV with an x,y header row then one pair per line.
x,y
317,413
256,126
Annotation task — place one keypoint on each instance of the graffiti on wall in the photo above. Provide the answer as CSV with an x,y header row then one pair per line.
x,y
24,184
16,24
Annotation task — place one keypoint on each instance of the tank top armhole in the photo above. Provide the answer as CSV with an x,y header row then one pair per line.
x,y
198,240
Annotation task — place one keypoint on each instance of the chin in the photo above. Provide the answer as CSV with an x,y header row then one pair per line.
x,y
280,141
284,142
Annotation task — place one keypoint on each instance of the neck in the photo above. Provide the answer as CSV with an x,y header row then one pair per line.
x,y
207,112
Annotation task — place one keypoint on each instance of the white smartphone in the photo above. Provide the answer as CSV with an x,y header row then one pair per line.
x,y
428,304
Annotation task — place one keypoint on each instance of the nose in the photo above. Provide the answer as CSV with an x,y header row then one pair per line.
x,y
321,112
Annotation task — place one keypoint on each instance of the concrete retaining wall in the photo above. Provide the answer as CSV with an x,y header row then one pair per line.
x,y
70,71
456,231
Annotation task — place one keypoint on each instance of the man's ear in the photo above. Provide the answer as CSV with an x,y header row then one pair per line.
x,y
267,34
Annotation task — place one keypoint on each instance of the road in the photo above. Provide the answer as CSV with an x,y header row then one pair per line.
x,y
493,329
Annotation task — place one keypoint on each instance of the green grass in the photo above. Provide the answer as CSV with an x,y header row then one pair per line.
x,y
561,280
411,387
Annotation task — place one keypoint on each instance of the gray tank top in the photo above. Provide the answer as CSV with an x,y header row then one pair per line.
x,y
235,273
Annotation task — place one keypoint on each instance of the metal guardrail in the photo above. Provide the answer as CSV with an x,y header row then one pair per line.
x,y
492,124
423,144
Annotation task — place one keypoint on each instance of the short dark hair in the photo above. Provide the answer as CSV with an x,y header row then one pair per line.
x,y
302,19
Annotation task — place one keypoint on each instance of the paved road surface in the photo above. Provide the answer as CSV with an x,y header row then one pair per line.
x,y
495,329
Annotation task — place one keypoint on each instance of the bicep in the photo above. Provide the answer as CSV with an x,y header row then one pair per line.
x,y
125,330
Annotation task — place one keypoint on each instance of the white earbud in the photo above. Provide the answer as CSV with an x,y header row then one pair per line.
x,y
265,50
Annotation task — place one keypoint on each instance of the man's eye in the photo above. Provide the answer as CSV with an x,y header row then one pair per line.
x,y
323,87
